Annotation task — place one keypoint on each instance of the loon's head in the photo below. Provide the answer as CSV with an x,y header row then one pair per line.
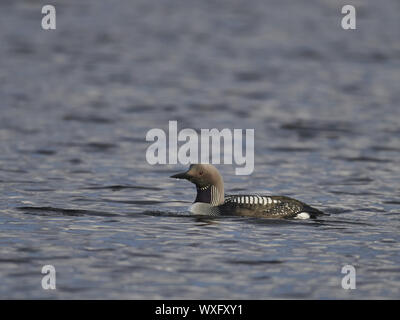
x,y
208,181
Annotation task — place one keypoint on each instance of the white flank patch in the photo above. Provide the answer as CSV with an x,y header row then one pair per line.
x,y
302,216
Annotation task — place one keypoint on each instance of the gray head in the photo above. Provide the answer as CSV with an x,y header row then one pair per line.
x,y
208,181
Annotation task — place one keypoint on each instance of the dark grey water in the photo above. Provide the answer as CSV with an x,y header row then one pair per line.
x,y
76,191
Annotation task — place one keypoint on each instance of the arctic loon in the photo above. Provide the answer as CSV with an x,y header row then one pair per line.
x,y
210,199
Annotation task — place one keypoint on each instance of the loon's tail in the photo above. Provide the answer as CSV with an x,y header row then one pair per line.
x,y
313,212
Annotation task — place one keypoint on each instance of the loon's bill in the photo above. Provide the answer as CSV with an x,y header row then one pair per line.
x,y
211,200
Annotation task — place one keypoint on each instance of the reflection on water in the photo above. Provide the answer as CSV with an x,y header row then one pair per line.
x,y
77,193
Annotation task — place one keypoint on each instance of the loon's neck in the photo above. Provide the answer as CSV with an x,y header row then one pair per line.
x,y
210,194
